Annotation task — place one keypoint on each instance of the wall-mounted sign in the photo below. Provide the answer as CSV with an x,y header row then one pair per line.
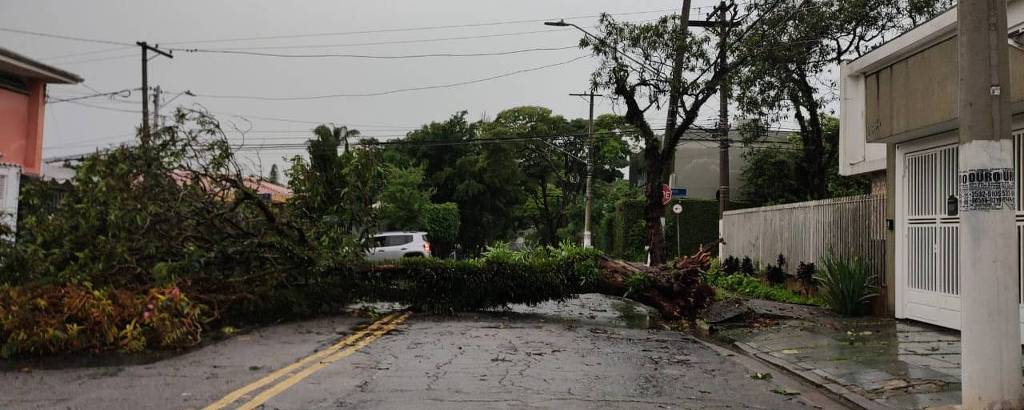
x,y
986,189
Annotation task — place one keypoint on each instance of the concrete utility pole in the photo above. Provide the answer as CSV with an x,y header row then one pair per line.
x,y
991,344
588,211
145,85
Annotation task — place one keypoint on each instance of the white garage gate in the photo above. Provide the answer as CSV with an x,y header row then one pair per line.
x,y
927,266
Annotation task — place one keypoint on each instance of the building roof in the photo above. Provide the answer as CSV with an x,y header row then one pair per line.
x,y
17,64
927,34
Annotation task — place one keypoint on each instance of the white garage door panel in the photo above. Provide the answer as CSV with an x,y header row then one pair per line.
x,y
927,271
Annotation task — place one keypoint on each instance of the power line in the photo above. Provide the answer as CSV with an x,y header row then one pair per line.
x,y
104,108
404,29
121,93
379,43
365,56
401,90
64,37
85,53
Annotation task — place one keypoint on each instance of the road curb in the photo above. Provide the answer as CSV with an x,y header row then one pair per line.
x,y
812,377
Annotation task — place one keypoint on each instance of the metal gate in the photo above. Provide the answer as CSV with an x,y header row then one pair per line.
x,y
927,265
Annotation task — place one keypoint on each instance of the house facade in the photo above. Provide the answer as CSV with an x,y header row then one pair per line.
x,y
899,116
22,104
696,165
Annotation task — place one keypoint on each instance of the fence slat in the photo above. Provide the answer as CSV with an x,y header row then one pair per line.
x,y
852,227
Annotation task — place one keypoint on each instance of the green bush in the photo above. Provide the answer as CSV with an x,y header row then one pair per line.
x,y
846,285
67,318
698,225
441,221
498,278
630,230
752,287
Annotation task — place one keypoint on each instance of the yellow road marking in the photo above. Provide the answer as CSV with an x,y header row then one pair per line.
x,y
291,381
237,394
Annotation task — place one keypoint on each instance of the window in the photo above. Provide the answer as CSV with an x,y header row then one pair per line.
x,y
13,83
391,240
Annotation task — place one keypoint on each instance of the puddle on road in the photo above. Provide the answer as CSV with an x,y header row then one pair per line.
x,y
593,309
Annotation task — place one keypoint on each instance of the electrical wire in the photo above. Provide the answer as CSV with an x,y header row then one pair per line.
x,y
104,108
120,93
404,29
365,56
64,37
388,42
85,53
389,92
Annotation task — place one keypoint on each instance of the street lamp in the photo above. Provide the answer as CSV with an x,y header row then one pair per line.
x,y
588,211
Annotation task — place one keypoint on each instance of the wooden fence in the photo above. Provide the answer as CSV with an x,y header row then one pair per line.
x,y
806,231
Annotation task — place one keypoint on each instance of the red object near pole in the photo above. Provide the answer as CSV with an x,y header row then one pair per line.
x,y
666,194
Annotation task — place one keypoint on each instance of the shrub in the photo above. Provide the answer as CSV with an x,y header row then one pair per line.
x,y
846,285
498,278
441,221
698,225
805,274
630,230
68,318
747,266
753,288
775,275
731,265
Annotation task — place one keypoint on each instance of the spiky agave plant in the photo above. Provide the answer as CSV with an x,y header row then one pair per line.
x,y
845,285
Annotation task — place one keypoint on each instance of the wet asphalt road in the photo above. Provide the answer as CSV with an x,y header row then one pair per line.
x,y
471,361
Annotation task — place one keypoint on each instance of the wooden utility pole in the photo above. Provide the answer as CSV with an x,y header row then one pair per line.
x,y
588,211
156,108
723,111
990,304
672,117
146,48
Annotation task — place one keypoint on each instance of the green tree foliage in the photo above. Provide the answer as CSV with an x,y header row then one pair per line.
x,y
174,208
644,65
334,193
404,199
483,180
442,222
775,175
790,78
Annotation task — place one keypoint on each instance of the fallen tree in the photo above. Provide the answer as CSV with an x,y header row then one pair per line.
x,y
153,245
678,290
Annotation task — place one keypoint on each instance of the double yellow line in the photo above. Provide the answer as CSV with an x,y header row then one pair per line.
x,y
302,369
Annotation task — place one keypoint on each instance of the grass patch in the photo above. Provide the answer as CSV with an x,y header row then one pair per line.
x,y
751,287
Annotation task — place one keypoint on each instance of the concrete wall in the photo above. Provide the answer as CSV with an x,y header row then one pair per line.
x,y
917,96
696,169
21,127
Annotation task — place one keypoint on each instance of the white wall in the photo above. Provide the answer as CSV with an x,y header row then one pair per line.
x,y
856,155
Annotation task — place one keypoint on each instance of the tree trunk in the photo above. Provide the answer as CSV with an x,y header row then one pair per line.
x,y
654,210
677,291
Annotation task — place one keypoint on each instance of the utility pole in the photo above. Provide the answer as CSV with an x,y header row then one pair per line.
x,y
146,48
990,312
588,211
156,108
723,111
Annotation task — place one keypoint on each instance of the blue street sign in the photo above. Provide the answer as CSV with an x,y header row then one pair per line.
x,y
678,193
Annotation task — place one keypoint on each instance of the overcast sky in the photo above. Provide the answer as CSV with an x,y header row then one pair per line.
x,y
73,128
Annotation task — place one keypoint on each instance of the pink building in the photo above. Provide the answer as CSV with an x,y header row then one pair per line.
x,y
22,104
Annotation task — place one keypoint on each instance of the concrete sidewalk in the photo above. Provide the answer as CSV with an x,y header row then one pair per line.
x,y
877,363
